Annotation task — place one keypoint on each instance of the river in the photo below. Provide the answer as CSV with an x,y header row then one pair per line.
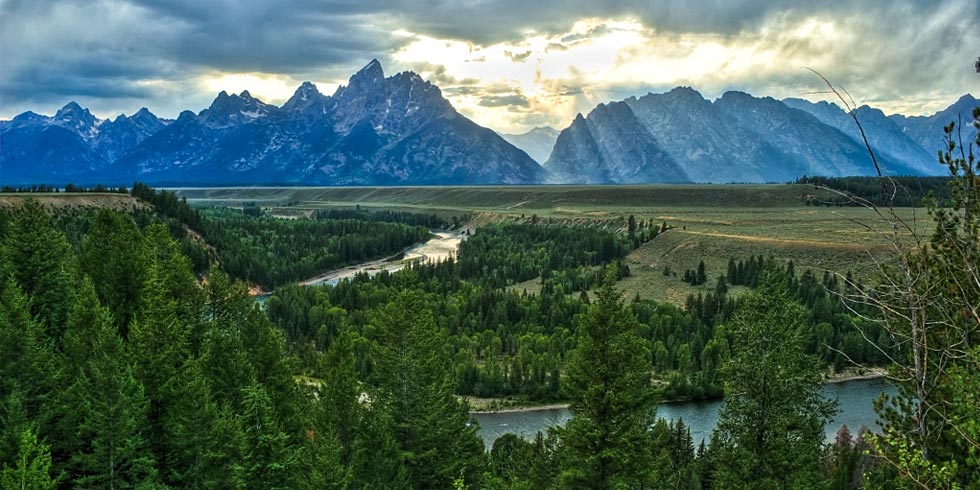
x,y
441,246
855,398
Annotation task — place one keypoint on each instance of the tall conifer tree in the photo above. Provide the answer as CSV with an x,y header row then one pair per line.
x,y
607,441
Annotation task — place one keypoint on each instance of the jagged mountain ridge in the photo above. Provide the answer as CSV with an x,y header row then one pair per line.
x,y
884,136
376,130
740,138
707,151
379,130
927,131
71,144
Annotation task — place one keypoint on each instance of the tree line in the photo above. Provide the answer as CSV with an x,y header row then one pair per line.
x,y
899,191
70,188
271,251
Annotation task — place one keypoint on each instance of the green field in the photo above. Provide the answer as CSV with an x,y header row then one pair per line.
x,y
551,199
709,222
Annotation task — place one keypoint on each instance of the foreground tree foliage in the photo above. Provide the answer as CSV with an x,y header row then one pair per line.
x,y
196,388
930,302
607,442
414,383
32,466
103,402
770,430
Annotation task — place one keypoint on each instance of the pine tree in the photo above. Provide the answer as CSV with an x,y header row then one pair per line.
x,y
843,460
701,277
32,467
770,429
376,459
318,463
42,263
114,258
722,287
415,385
338,410
159,335
612,401
220,345
202,440
510,460
341,428
26,370
269,460
104,400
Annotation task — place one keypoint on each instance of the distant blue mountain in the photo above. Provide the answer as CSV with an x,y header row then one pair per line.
x,y
884,136
927,131
538,142
400,130
681,136
376,130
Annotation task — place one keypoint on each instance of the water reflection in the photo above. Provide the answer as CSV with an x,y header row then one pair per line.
x,y
855,399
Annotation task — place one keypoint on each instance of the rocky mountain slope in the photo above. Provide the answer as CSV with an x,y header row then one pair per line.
x,y
611,146
884,135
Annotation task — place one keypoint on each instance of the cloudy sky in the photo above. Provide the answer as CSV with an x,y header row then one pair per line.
x,y
507,64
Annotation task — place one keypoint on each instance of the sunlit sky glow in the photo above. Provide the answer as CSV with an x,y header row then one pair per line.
x,y
509,65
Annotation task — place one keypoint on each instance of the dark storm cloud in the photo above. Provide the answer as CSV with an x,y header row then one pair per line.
x,y
491,21
272,37
111,51
121,54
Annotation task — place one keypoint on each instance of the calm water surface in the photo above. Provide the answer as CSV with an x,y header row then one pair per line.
x,y
855,399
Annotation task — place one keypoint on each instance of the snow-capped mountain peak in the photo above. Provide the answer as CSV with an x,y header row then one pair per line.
x,y
73,117
305,97
231,110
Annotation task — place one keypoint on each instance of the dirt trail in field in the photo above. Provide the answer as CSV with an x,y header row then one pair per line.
x,y
786,242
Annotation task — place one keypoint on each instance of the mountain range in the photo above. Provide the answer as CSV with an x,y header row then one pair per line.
x,y
375,130
679,136
400,130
